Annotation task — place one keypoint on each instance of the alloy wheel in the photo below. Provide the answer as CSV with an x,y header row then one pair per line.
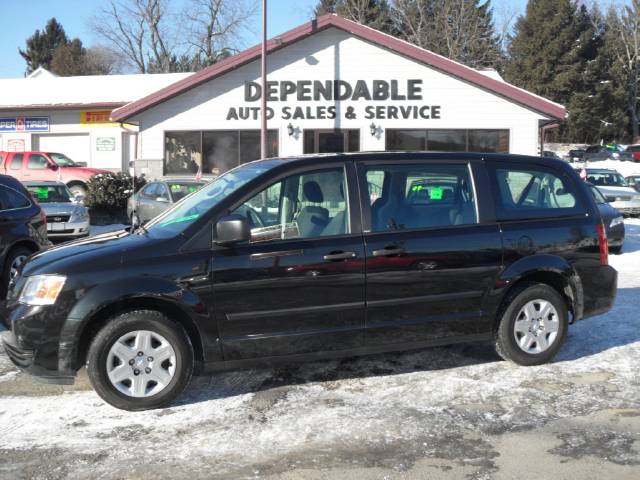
x,y
536,326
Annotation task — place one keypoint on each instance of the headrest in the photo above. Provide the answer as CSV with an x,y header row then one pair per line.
x,y
312,192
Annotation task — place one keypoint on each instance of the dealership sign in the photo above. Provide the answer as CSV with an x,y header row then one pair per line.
x,y
373,92
24,124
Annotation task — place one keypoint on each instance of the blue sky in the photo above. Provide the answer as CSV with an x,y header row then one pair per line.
x,y
21,18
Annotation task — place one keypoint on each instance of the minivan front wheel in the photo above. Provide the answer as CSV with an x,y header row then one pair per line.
x,y
140,360
533,325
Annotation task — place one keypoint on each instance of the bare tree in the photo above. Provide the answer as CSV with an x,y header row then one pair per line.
x,y
216,27
139,30
624,25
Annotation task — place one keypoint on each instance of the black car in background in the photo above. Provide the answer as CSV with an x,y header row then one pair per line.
x,y
282,260
612,218
576,155
23,228
599,153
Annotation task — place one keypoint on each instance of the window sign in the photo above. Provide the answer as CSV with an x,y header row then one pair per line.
x,y
105,144
24,124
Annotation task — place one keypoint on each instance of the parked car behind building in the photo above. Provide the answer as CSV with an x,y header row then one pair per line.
x,y
267,264
67,217
635,151
23,229
155,197
616,190
600,153
576,155
41,166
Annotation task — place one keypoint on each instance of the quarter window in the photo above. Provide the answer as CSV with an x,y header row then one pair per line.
x,y
16,161
306,205
420,196
530,193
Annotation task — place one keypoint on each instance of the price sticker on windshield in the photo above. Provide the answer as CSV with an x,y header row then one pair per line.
x,y
42,193
436,193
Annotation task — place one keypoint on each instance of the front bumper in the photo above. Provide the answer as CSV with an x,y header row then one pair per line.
x,y
33,344
68,229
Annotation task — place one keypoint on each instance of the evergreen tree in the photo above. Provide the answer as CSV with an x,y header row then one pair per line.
x,y
546,50
462,30
373,13
42,45
70,59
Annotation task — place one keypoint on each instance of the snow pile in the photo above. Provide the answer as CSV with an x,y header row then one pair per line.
x,y
624,168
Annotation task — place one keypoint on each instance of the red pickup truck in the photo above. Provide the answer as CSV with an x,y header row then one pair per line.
x,y
43,166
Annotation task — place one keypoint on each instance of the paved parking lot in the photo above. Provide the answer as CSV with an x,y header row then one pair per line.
x,y
454,412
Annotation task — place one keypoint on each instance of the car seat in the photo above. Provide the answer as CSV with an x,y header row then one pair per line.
x,y
312,219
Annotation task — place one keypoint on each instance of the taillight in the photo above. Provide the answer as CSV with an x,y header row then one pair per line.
x,y
604,244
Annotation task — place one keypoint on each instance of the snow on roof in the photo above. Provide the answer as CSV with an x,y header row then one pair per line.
x,y
41,72
45,90
491,73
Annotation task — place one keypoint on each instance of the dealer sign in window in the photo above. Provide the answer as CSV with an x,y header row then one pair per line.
x,y
105,144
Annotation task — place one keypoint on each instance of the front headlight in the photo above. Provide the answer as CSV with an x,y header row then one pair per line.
x,y
616,221
615,155
42,289
79,214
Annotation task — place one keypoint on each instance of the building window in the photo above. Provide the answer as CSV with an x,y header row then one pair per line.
x,y
455,140
215,150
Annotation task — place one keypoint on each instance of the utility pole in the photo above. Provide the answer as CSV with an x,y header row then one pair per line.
x,y
264,150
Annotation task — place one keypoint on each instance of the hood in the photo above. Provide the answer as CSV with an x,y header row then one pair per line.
x,y
66,208
611,190
85,253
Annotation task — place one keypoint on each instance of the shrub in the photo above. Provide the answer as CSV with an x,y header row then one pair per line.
x,y
110,191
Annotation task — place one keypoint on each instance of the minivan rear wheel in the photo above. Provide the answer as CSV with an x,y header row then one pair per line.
x,y
533,325
140,360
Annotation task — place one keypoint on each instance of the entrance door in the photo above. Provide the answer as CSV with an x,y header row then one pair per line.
x,y
331,141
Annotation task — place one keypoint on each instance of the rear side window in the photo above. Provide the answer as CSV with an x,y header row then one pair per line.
x,y
524,193
16,161
416,196
11,199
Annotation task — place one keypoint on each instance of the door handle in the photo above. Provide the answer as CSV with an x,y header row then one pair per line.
x,y
334,256
386,252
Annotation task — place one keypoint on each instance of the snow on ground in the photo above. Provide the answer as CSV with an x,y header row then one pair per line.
x,y
448,405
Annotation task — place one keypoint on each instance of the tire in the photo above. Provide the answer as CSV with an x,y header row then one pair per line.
x,y
78,189
15,257
108,348
511,338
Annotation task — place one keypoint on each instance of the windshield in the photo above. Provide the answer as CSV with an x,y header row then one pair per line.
x,y
50,193
606,179
192,207
62,160
597,195
180,190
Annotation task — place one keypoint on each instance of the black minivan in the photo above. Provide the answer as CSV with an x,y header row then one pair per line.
x,y
316,257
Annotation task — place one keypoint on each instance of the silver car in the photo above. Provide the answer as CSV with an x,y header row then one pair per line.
x,y
155,197
67,217
616,190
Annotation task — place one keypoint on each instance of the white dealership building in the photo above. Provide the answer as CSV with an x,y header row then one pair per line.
x,y
333,85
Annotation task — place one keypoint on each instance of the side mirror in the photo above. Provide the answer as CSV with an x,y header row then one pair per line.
x,y
53,166
232,229
610,199
79,198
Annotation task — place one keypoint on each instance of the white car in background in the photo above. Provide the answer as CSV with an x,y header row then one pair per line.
x,y
615,189
67,217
